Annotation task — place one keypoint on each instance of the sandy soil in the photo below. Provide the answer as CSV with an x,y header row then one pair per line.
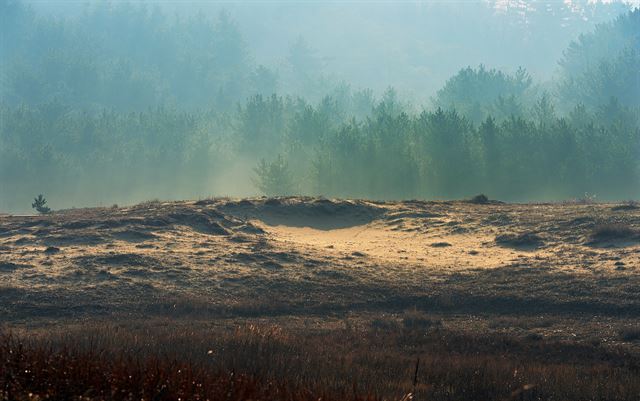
x,y
291,257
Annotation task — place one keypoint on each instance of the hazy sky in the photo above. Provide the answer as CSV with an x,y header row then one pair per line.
x,y
414,45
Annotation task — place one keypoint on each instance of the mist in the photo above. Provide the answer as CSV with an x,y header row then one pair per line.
x,y
116,103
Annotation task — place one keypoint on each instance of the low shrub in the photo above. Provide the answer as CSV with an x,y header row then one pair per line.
x,y
613,231
523,240
480,199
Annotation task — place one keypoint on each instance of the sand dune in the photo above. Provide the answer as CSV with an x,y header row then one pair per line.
x,y
301,256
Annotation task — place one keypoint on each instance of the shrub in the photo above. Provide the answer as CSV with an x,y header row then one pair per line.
x,y
613,231
39,204
480,199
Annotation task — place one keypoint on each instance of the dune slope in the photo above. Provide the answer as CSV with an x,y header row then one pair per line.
x,y
310,256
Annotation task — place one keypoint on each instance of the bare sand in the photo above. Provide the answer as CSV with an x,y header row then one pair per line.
x,y
288,258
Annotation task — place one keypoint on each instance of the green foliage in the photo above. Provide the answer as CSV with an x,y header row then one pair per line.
x,y
76,118
107,157
480,199
193,62
476,93
604,64
39,204
274,178
264,81
307,149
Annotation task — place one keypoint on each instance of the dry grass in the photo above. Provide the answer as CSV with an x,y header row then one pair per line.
x,y
522,240
36,372
613,231
630,333
224,257
270,362
344,297
627,206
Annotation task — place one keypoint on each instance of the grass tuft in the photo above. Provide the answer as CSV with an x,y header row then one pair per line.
x,y
523,240
613,231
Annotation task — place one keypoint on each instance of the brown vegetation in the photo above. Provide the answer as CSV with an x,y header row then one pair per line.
x,y
613,231
304,298
349,362
524,240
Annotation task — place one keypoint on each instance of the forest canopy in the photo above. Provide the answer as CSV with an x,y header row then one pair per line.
x,y
126,102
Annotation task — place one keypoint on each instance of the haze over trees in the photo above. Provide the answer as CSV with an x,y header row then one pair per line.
x,y
125,102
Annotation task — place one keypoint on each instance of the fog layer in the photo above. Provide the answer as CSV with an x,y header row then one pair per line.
x,y
117,103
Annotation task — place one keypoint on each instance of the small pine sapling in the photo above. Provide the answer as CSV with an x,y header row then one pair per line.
x,y
39,204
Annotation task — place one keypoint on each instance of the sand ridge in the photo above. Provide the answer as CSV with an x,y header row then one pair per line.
x,y
302,255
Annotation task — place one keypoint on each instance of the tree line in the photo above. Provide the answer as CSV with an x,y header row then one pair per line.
x,y
288,146
486,130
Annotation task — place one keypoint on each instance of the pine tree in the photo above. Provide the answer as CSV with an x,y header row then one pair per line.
x,y
39,204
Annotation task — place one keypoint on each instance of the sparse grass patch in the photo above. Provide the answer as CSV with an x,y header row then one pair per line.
x,y
521,322
149,203
522,240
613,231
587,199
532,336
204,202
417,320
627,206
384,324
498,219
630,333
